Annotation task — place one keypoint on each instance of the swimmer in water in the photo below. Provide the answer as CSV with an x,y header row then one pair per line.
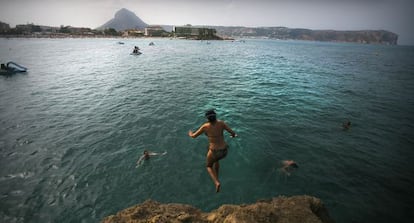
x,y
146,155
288,166
346,125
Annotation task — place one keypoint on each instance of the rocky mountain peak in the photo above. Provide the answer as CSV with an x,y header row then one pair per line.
x,y
124,19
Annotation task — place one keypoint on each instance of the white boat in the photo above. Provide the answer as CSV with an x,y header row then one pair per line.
x,y
11,68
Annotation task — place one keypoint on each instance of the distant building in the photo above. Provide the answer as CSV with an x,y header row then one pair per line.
x,y
4,27
133,33
49,29
155,31
28,28
190,32
79,30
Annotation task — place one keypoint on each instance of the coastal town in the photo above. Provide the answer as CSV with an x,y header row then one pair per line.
x,y
41,31
126,24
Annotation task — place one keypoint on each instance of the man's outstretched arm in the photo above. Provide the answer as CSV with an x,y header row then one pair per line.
x,y
196,133
228,129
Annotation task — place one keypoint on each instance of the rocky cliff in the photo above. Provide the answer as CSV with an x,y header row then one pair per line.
x,y
296,209
362,36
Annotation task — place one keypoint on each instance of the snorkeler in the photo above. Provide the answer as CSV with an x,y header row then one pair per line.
x,y
217,148
146,155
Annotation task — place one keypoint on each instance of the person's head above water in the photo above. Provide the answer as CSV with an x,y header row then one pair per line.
x,y
146,155
289,163
211,115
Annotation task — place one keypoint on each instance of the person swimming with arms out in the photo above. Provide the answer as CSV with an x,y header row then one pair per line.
x,y
217,148
146,155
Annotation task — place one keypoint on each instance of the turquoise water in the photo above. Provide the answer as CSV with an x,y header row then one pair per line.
x,y
72,128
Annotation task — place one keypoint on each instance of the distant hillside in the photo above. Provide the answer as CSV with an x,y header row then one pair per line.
x,y
124,19
363,36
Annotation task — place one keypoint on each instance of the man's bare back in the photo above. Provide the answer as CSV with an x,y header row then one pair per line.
x,y
217,148
214,132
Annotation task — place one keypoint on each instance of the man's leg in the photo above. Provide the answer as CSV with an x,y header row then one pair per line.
x,y
212,171
214,178
216,167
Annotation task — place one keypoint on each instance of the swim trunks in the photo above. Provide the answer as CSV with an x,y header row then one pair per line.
x,y
217,155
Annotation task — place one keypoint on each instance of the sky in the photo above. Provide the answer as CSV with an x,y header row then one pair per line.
x,y
393,15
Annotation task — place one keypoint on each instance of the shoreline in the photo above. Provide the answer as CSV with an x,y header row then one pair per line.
x,y
177,38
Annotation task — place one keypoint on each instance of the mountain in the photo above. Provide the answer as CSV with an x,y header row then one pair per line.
x,y
124,19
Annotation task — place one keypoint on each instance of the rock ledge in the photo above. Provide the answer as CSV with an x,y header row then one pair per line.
x,y
295,209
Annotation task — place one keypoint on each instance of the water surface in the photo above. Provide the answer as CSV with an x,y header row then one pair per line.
x,y
72,128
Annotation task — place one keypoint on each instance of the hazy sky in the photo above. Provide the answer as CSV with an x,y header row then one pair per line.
x,y
392,15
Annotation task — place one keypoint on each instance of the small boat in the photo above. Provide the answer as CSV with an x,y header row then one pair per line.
x,y
12,68
121,43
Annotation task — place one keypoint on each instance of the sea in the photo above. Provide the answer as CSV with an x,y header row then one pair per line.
x,y
74,125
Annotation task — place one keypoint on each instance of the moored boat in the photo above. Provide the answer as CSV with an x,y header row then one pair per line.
x,y
12,68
